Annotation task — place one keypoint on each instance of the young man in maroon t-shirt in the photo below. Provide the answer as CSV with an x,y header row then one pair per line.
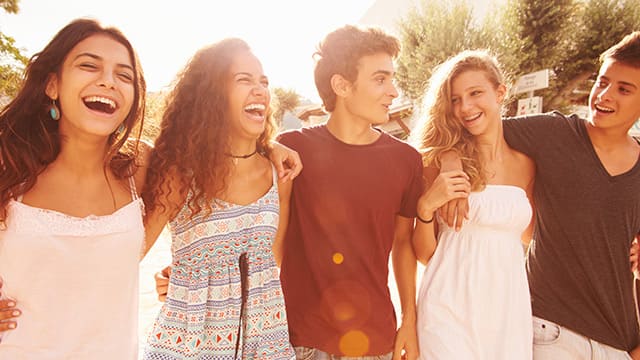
x,y
352,206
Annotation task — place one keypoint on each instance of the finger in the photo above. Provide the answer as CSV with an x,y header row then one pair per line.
x,y
166,271
279,164
286,176
7,303
443,211
451,213
162,298
160,276
162,286
162,291
7,325
465,205
456,173
459,214
9,314
296,169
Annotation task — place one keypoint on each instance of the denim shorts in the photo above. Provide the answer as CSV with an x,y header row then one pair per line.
x,y
552,341
306,353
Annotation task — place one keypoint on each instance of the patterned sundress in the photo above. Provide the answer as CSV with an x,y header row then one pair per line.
x,y
224,299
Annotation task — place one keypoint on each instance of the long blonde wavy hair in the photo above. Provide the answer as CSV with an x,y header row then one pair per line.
x,y
439,131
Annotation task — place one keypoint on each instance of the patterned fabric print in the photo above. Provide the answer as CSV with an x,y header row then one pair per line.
x,y
201,317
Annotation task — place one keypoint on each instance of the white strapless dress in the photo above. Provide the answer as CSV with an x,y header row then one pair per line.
x,y
474,301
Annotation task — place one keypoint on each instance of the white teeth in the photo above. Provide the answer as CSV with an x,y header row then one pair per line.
x,y
473,117
101,99
603,108
254,107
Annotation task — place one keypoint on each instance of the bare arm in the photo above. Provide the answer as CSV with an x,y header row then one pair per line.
x,y
440,189
284,195
404,268
164,211
528,232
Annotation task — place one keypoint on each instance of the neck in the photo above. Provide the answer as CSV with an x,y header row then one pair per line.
x,y
242,150
351,129
81,157
607,139
491,145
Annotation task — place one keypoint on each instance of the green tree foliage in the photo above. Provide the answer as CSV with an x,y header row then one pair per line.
x,y
565,36
535,36
533,31
10,6
431,33
154,109
285,100
598,25
12,62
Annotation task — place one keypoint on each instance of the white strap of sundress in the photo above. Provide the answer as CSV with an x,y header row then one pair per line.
x,y
132,188
275,176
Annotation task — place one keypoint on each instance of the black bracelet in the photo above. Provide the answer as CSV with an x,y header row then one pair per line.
x,y
426,221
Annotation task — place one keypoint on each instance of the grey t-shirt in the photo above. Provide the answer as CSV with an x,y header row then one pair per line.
x,y
578,262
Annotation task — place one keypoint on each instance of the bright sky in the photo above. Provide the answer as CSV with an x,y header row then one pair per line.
x,y
282,33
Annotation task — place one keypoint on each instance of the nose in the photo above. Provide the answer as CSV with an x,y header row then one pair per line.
x,y
393,92
260,90
465,105
605,93
106,80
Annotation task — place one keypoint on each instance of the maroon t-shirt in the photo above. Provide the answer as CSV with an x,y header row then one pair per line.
x,y
336,253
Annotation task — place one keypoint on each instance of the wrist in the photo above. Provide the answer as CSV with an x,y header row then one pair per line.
x,y
408,320
426,217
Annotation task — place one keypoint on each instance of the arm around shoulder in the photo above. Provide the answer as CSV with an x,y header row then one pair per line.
x,y
284,196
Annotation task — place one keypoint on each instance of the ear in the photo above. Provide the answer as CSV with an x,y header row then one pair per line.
x,y
340,85
502,93
52,86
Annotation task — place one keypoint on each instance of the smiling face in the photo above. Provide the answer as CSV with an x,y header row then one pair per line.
x,y
371,95
614,101
248,96
94,87
476,101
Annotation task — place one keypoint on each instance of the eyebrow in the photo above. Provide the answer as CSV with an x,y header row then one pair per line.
x,y
249,75
94,56
383,72
628,84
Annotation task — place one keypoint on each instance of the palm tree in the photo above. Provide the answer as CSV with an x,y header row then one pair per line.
x,y
285,100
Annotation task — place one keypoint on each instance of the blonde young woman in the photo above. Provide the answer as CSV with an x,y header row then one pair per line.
x,y
474,300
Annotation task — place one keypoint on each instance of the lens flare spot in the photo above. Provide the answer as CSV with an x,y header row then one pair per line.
x,y
344,311
354,343
338,258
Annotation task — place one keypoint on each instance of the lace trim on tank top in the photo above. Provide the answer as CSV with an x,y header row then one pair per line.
x,y
51,222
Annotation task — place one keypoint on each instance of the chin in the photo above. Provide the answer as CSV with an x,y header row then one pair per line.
x,y
379,121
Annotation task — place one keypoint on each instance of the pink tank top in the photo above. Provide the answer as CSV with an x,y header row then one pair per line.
x,y
75,280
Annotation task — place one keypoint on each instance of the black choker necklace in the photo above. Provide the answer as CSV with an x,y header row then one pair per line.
x,y
236,157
